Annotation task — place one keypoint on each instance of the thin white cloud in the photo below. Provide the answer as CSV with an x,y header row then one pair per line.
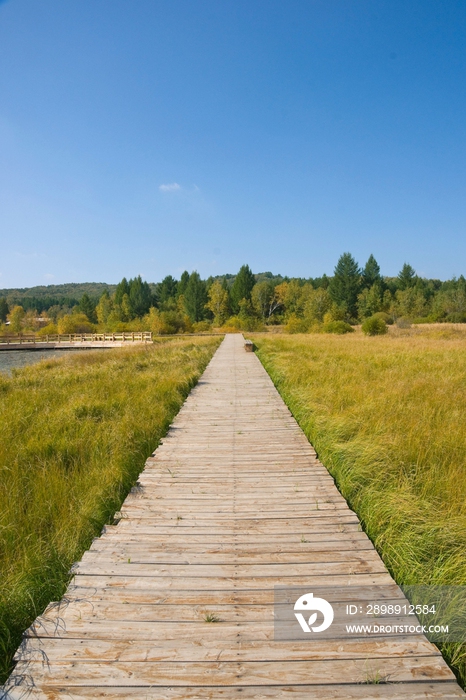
x,y
172,187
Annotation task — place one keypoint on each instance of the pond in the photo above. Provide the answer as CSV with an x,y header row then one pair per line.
x,y
20,358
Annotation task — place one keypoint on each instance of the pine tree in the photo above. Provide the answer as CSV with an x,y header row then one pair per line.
x,y
406,277
242,287
345,285
126,310
195,297
371,273
87,306
167,289
120,291
4,309
182,284
140,297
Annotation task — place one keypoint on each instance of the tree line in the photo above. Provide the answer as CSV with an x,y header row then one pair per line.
x,y
246,301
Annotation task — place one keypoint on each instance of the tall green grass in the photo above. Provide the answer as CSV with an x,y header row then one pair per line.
x,y
75,433
387,416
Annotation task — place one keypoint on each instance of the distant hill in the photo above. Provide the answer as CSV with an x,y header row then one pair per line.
x,y
45,296
73,290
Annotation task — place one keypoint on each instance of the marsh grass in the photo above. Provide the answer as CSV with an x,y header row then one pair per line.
x,y
211,617
387,416
75,433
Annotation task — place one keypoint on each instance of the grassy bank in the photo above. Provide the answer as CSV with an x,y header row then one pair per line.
x,y
75,435
387,416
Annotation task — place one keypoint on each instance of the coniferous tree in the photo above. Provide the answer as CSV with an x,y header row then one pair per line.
x,y
121,290
87,306
195,297
345,285
323,282
242,287
4,309
371,273
406,277
182,284
167,289
140,297
126,312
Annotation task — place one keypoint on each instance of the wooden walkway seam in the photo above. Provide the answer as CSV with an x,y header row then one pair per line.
x,y
176,601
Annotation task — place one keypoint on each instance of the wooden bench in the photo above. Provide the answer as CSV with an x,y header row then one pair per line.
x,y
249,346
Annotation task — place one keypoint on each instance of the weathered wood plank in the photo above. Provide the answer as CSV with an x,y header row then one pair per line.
x,y
265,673
194,543
70,649
204,597
398,691
143,557
187,583
231,571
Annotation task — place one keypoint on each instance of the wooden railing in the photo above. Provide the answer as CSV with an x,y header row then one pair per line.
x,y
144,336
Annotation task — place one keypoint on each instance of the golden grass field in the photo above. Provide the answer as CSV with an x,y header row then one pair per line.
x,y
387,417
76,432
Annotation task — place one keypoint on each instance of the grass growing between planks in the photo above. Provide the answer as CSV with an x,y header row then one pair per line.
x,y
387,416
75,434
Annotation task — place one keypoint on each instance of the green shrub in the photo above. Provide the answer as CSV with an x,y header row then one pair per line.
x,y
385,317
252,323
295,325
374,326
201,326
457,317
75,323
339,327
166,322
315,327
232,324
49,329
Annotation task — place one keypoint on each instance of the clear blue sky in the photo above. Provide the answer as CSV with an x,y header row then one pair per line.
x,y
152,136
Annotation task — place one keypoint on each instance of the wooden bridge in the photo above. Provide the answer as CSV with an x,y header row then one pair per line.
x,y
69,341
176,600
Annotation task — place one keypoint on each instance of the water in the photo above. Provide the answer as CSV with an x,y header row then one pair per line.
x,y
20,358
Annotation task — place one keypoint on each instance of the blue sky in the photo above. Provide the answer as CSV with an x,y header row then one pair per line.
x,y
152,136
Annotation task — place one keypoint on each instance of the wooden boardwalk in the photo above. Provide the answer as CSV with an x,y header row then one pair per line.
x,y
70,341
176,600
